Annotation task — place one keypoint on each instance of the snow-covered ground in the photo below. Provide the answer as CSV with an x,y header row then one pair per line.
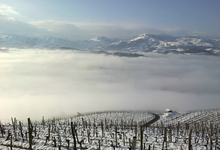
x,y
104,129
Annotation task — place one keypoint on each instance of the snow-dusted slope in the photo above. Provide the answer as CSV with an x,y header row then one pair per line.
x,y
96,42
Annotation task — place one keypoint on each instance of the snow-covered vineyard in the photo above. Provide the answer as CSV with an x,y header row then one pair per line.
x,y
115,130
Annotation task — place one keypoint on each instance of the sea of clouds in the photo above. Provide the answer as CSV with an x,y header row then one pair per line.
x,y
50,83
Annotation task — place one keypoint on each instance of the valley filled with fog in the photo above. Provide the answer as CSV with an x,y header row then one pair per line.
x,y
36,83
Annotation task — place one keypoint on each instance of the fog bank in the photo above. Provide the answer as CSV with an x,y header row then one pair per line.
x,y
36,83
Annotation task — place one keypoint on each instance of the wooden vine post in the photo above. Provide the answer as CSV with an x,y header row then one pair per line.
x,y
141,131
189,140
73,133
134,143
30,130
116,139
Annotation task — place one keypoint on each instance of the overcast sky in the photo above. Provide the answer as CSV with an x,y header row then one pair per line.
x,y
84,19
36,83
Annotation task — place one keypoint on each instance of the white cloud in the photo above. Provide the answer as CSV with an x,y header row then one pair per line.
x,y
84,30
9,23
7,11
35,84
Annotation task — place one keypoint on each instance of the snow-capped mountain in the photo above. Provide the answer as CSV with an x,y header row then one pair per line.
x,y
53,42
166,44
18,41
142,43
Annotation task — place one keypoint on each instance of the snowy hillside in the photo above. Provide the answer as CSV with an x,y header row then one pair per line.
x,y
142,43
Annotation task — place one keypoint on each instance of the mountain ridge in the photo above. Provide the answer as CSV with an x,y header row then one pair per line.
x,y
158,43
